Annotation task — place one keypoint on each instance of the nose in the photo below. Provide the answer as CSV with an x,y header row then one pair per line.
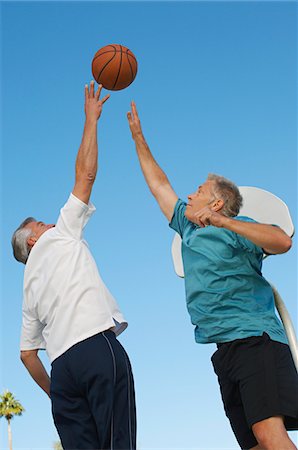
x,y
190,196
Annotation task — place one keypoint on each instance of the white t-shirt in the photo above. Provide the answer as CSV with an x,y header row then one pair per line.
x,y
65,299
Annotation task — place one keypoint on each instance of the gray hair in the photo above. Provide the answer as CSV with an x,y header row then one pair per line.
x,y
227,191
19,239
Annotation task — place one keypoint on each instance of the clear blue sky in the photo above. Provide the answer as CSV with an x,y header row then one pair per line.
x,y
216,92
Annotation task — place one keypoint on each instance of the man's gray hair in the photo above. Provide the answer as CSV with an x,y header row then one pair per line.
x,y
19,239
228,192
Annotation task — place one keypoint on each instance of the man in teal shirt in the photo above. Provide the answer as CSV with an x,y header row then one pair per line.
x,y
227,296
230,303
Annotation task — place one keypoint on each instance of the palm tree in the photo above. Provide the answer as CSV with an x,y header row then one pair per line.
x,y
10,407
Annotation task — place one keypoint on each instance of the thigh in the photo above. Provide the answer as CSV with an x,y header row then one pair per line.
x,y
94,367
71,413
232,400
269,383
124,409
105,377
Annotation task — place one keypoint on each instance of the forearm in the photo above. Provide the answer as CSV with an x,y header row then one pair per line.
x,y
86,162
271,239
154,175
37,370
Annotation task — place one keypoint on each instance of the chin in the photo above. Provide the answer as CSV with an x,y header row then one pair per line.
x,y
188,215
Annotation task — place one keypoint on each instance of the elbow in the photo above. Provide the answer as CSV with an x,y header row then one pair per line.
x,y
27,355
157,189
85,177
23,357
86,173
280,246
90,178
287,244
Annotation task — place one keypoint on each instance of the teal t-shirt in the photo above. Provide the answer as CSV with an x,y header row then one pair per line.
x,y
227,296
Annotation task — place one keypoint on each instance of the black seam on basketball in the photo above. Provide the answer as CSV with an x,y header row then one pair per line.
x,y
104,53
134,74
108,62
130,54
129,65
119,68
108,51
111,51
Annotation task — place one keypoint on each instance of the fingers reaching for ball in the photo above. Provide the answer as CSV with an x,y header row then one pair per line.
x,y
134,121
105,98
89,92
133,118
93,103
134,110
92,88
98,92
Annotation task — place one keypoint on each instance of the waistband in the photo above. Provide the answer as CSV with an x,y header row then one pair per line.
x,y
246,339
109,332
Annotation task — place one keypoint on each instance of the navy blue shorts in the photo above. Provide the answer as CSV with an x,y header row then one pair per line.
x,y
92,393
258,380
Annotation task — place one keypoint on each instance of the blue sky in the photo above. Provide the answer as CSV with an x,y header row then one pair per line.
x,y
216,92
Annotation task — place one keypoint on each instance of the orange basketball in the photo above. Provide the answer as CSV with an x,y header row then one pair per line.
x,y
114,66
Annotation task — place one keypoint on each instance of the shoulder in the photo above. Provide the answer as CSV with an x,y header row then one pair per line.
x,y
180,205
76,208
179,210
179,222
73,217
245,219
75,202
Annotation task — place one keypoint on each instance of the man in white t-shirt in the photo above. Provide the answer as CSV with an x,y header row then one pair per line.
x,y
68,311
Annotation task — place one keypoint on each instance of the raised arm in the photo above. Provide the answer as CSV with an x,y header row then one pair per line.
x,y
86,162
273,240
156,179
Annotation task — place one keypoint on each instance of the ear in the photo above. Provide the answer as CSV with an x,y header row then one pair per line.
x,y
31,241
217,205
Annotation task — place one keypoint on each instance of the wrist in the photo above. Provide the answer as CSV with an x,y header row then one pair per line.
x,y
91,120
227,222
139,139
138,136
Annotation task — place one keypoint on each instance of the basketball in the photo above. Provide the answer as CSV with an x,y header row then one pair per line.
x,y
114,66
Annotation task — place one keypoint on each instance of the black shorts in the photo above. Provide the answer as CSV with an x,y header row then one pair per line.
x,y
258,380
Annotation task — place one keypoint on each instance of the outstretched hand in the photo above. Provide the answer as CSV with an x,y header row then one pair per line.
x,y
93,104
134,121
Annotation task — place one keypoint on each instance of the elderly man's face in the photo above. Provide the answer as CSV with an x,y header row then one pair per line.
x,y
37,228
204,196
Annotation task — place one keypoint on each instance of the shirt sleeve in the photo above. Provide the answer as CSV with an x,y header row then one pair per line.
x,y
31,335
73,217
179,222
